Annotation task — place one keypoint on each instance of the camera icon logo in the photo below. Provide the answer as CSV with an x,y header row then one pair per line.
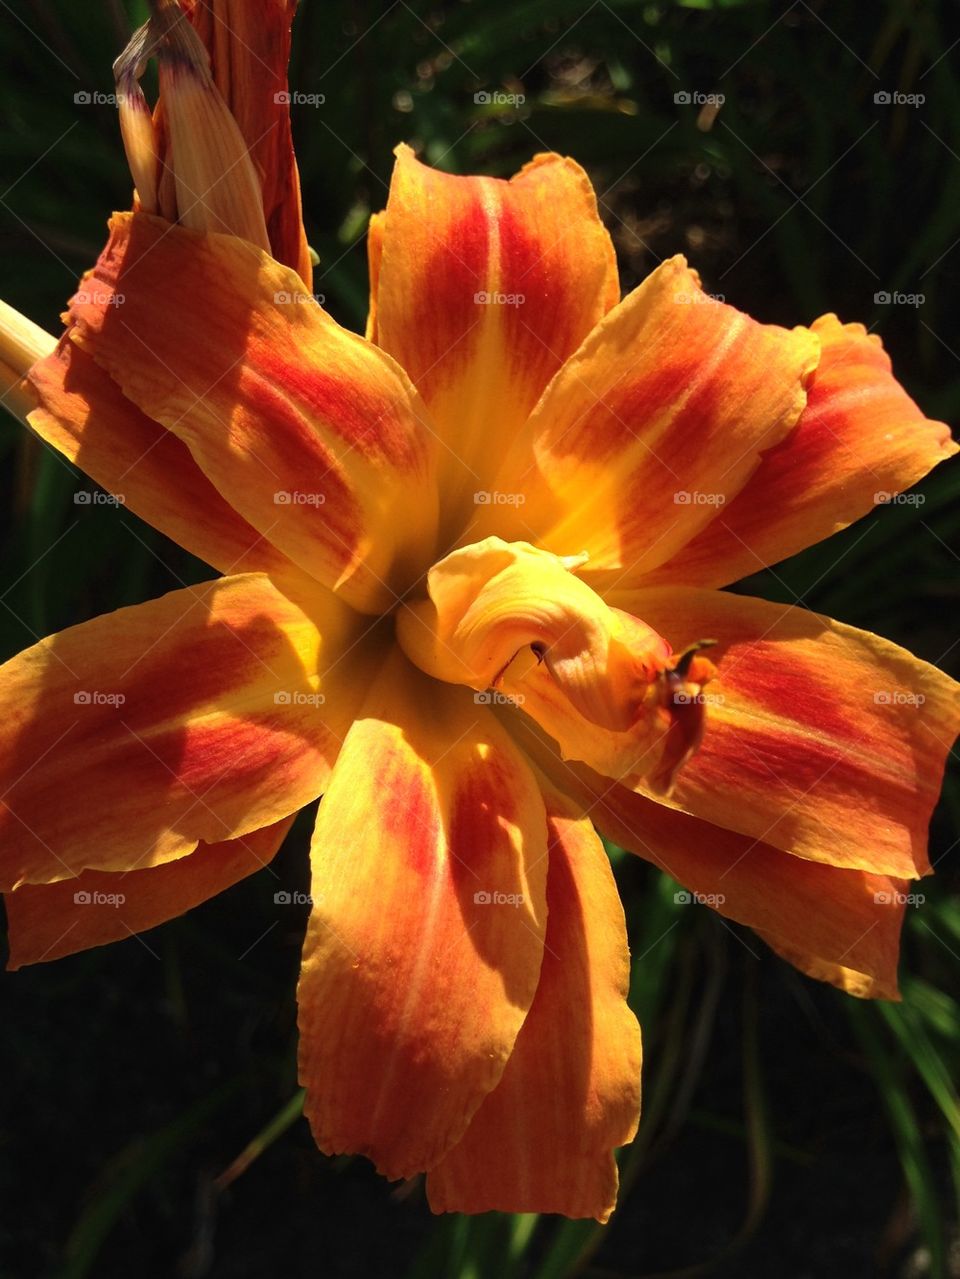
x,y
83,98
483,98
882,97
81,897
682,98
482,898
282,98
282,699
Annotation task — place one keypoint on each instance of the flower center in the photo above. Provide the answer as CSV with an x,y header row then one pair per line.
x,y
517,624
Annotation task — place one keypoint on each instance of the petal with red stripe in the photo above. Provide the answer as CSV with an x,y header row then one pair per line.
x,y
819,738
425,940
484,288
312,434
657,420
860,442
203,715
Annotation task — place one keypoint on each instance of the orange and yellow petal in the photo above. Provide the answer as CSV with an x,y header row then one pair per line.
x,y
249,46
484,288
426,935
660,416
82,413
313,435
819,738
49,921
204,715
515,622
543,1140
840,926
860,442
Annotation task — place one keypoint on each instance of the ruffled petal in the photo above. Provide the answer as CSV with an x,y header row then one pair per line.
x,y
313,435
543,1140
423,951
49,921
517,621
657,420
484,288
204,715
861,441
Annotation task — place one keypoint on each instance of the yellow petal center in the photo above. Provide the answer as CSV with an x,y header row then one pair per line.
x,y
509,619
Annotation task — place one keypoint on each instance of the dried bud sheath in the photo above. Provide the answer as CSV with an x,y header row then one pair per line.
x,y
215,186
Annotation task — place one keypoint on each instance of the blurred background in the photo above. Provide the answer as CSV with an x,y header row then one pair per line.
x,y
788,1131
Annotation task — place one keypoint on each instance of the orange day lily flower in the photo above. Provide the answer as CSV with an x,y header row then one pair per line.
x,y
469,566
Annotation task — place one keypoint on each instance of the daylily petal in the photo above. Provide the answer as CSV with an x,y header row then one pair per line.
x,y
485,287
852,981
198,716
426,935
821,739
283,410
249,46
860,441
660,417
82,413
512,618
48,921
543,1140
840,926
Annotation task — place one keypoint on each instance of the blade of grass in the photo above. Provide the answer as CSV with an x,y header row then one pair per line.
x,y
130,1172
265,1138
905,1130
